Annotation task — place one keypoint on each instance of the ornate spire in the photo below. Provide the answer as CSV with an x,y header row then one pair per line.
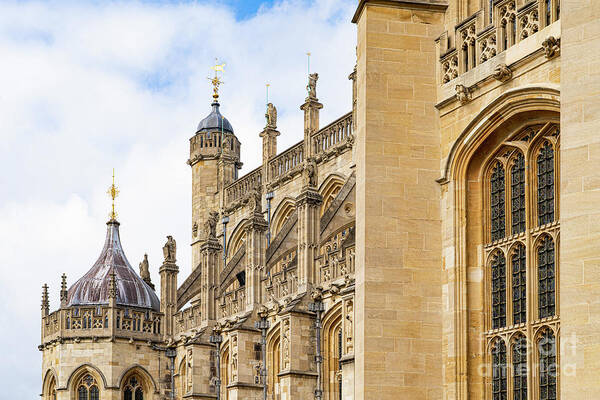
x,y
216,82
63,288
113,192
45,301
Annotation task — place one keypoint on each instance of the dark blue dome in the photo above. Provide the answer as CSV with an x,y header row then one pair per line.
x,y
215,121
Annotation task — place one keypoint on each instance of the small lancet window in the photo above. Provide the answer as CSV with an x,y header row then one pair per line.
x,y
498,274
546,278
519,285
517,194
499,377
497,202
519,362
88,389
547,365
545,190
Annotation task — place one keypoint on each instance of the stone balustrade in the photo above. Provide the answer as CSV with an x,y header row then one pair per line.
x,y
243,186
286,161
332,135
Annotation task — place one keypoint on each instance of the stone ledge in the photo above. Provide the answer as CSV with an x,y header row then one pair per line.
x,y
430,5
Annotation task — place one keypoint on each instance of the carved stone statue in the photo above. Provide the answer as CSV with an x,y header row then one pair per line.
x,y
463,94
210,226
311,88
271,116
169,249
145,271
190,369
256,201
310,173
502,73
551,46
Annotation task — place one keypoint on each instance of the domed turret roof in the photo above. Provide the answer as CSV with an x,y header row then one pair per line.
x,y
215,121
92,288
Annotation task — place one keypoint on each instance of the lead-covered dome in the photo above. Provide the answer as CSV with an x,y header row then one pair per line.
x,y
92,288
215,121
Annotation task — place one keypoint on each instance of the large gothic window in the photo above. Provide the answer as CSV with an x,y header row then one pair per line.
x,y
499,378
133,389
87,389
545,192
497,202
546,283
498,290
522,265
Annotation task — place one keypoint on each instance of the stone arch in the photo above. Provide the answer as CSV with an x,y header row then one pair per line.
x,y
149,384
49,384
273,357
329,190
284,209
464,193
80,372
332,323
237,238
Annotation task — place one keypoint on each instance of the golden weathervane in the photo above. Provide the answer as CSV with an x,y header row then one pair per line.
x,y
113,192
216,82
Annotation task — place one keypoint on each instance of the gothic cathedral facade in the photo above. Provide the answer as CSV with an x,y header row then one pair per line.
x,y
438,241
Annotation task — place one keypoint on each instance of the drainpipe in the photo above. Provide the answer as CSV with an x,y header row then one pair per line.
x,y
269,196
318,307
216,339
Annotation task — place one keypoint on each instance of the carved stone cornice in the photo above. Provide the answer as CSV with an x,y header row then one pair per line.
x,y
431,5
210,244
256,222
168,267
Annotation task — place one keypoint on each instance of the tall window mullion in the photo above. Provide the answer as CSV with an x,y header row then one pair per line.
x,y
546,279
497,203
519,363
545,191
547,366
498,272
519,285
517,195
499,378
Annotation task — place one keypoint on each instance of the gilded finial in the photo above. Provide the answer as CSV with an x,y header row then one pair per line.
x,y
216,82
113,192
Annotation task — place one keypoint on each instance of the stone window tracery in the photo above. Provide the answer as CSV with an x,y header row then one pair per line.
x,y
522,264
133,389
87,389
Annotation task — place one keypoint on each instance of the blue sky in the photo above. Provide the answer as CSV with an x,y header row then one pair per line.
x,y
88,86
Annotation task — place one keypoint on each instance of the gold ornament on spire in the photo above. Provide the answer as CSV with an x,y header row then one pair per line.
x,y
216,82
113,192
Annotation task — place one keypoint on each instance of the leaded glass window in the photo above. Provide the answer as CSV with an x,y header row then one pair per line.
x,y
546,278
88,389
547,365
517,194
499,380
498,290
497,202
519,362
545,191
133,388
519,284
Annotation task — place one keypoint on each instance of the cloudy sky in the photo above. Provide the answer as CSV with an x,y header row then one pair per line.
x,y
88,86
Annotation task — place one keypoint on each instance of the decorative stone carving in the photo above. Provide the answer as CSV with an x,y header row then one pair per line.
x,y
463,94
488,48
190,366
529,23
195,229
271,116
311,88
169,250
310,173
502,73
210,226
285,340
551,46
349,331
450,68
145,271
112,285
255,201
234,358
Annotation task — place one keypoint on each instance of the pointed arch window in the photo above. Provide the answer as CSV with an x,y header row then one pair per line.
x,y
519,362
497,202
545,190
339,357
133,389
519,284
87,389
498,273
499,378
546,278
547,366
517,194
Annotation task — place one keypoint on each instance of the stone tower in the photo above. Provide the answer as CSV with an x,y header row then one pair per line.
x,y
215,161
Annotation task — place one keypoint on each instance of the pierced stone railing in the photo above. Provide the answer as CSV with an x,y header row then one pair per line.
x,y
238,189
233,302
336,257
286,161
187,319
334,134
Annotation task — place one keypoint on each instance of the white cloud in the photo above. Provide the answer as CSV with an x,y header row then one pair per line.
x,y
89,86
